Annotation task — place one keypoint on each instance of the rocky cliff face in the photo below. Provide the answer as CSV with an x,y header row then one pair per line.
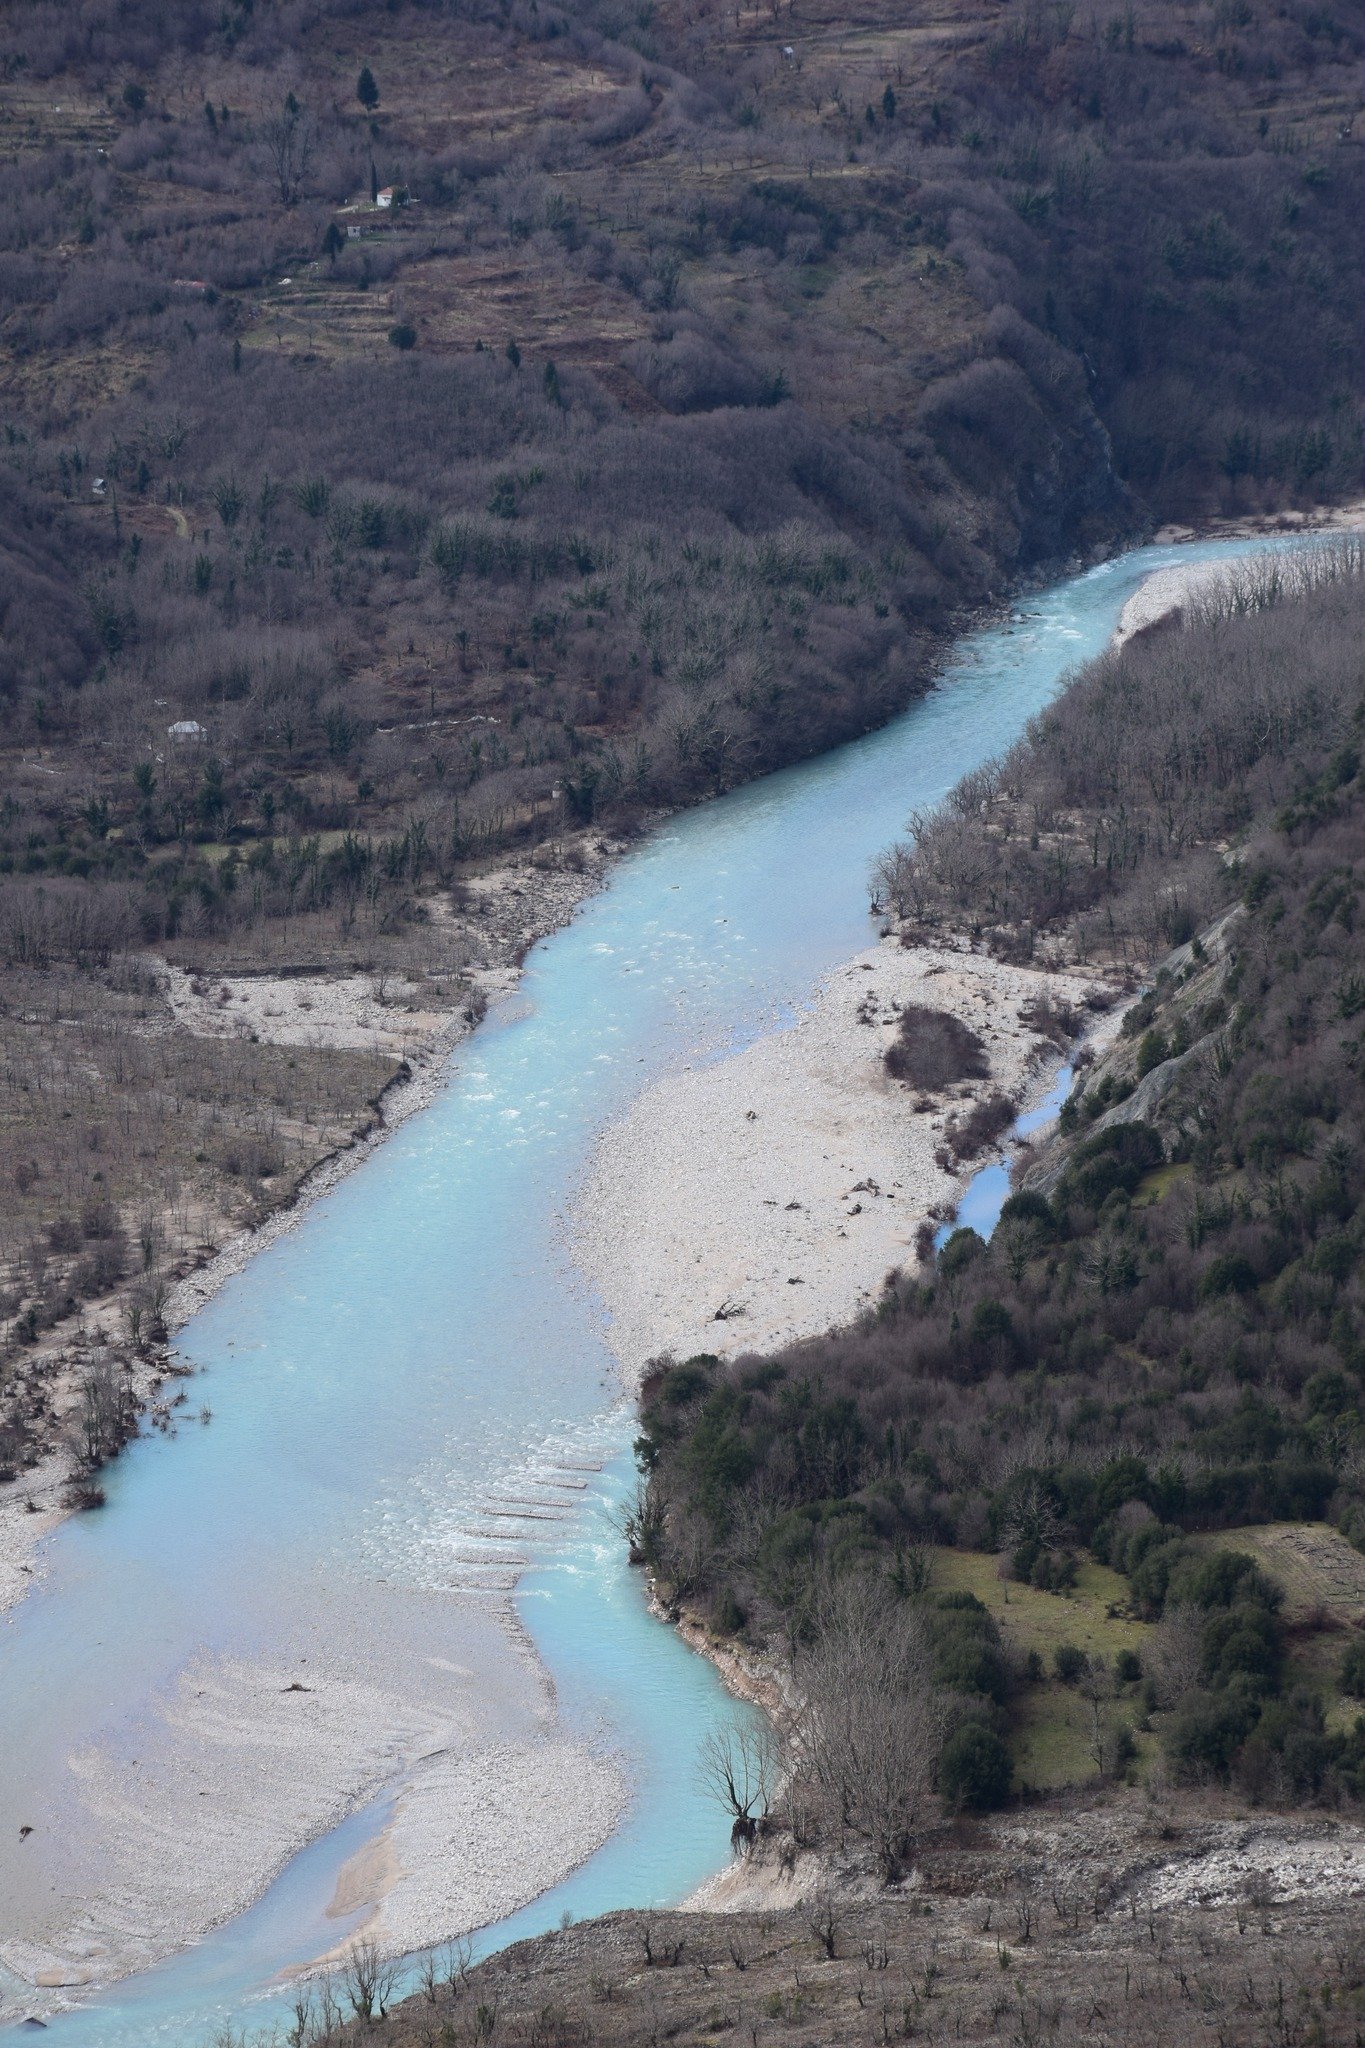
x,y
1164,1061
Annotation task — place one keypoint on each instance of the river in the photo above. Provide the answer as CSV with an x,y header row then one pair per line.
x,y
414,1411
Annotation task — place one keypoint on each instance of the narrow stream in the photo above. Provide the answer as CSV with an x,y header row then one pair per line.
x,y
985,1193
390,1385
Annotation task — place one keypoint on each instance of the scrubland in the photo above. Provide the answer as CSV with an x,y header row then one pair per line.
x,y
156,1113
1087,1929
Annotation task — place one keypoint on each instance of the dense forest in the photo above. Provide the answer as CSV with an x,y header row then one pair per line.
x,y
1164,1338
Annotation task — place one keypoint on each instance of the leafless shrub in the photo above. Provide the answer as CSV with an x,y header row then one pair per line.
x,y
824,1919
980,1126
368,1981
933,1049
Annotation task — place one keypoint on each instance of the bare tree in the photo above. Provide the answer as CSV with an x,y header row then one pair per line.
x,y
1176,1655
456,1959
107,1415
870,1725
1031,1516
368,1981
1097,1690
330,2017
290,137
314,2015
895,879
738,1767
824,1920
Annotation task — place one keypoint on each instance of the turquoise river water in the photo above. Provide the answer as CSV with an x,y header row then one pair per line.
x,y
422,1337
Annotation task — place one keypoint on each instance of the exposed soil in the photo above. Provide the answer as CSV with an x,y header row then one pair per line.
x,y
1107,1925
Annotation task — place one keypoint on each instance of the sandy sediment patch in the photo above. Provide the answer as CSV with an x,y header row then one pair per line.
x,y
476,1837
178,1820
1167,592
764,1197
189,1819
367,1012
29,1510
760,1883
366,1878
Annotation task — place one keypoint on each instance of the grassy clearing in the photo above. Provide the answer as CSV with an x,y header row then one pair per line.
x,y
1053,1723
1051,1742
1051,1739
1087,1615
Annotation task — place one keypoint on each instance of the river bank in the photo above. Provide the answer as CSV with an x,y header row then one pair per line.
x,y
827,1111
764,1197
1165,594
501,914
505,910
1311,519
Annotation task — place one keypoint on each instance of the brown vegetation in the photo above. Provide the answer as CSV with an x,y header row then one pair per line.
x,y
614,528
933,1049
1078,1934
142,1124
1109,823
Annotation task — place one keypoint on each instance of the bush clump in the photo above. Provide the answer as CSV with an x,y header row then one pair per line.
x,y
974,1769
1353,1670
1070,1662
933,1049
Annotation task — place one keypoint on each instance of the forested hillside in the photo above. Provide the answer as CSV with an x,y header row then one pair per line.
x,y
1034,1448
702,367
